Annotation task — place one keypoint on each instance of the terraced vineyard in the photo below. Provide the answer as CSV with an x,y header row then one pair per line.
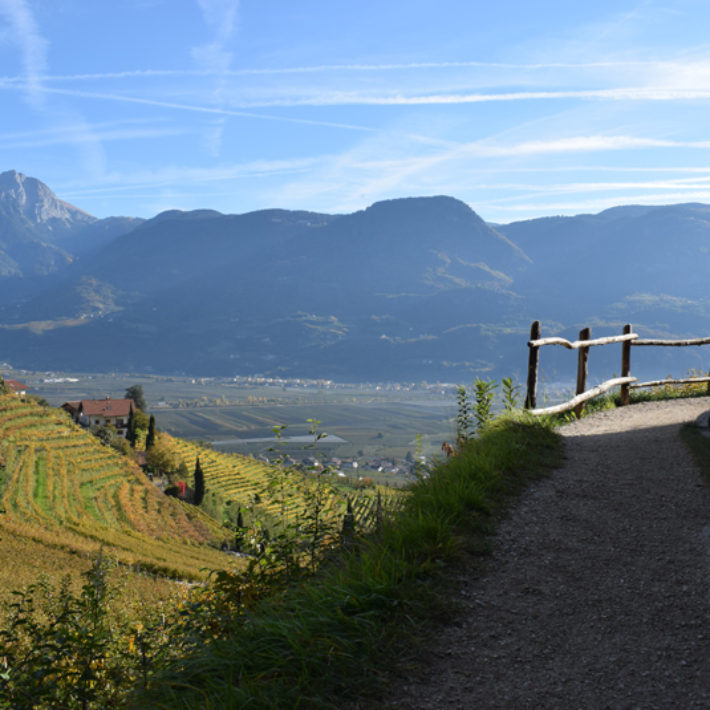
x,y
66,492
253,485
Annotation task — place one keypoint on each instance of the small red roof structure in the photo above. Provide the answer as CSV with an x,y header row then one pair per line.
x,y
72,408
97,412
105,407
16,387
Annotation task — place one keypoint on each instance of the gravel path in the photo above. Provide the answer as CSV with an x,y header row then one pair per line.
x,y
598,592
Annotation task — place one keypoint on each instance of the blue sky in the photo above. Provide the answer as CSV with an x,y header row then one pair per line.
x,y
520,109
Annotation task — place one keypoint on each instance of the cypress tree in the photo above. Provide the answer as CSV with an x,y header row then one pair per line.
x,y
131,429
199,483
150,439
239,532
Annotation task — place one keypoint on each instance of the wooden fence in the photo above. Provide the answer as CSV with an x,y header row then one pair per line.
x,y
628,339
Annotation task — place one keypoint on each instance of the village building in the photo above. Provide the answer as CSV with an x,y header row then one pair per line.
x,y
95,413
16,387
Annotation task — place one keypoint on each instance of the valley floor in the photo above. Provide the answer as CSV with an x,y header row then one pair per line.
x,y
597,594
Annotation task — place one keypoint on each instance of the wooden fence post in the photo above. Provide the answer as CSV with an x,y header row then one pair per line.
x,y
582,366
531,396
626,365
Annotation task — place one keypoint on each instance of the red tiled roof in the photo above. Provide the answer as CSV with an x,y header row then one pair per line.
x,y
106,407
71,406
16,386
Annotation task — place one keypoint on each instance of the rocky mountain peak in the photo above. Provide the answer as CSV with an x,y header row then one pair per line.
x,y
32,202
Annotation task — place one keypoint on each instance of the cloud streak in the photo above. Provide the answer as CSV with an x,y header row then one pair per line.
x,y
214,57
354,99
32,45
647,67
195,108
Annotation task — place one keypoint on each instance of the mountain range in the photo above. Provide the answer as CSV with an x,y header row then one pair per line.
x,y
407,289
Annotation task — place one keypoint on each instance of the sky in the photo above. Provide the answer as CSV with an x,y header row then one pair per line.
x,y
519,109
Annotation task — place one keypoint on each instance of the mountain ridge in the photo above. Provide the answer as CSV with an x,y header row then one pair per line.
x,y
408,288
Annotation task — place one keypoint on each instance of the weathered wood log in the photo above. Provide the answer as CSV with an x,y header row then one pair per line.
x,y
582,369
672,343
625,365
660,383
576,344
585,396
531,395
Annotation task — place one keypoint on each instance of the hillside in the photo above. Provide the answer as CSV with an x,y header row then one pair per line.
x,y
275,496
407,289
62,489
399,287
64,496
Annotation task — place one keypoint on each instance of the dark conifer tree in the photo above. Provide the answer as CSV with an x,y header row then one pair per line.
x,y
131,429
199,483
150,438
239,532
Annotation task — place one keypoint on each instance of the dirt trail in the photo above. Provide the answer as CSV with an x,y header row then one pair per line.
x,y
598,591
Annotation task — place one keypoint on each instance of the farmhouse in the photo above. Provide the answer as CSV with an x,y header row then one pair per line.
x,y
16,387
97,412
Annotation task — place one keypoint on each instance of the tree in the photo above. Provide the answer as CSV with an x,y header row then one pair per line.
x,y
161,459
106,433
131,429
140,424
199,483
135,392
150,439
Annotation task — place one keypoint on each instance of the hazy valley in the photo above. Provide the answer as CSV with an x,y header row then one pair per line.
x,y
407,290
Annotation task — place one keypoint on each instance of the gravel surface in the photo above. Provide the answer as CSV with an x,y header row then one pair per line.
x,y
597,594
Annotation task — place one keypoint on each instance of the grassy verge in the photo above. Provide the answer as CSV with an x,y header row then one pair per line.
x,y
613,400
322,643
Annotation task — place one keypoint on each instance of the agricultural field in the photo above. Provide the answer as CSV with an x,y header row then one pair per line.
x,y
367,429
63,496
273,495
367,420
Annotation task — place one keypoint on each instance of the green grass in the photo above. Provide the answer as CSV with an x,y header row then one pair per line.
x,y
322,643
613,399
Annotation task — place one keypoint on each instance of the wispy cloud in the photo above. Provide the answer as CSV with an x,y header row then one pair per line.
x,y
114,181
384,166
216,110
645,67
574,144
548,207
215,58
33,47
341,98
77,135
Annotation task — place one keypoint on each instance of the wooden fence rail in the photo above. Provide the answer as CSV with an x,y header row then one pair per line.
x,y
628,339
580,399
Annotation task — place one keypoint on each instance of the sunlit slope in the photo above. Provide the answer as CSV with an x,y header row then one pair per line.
x,y
269,493
62,488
